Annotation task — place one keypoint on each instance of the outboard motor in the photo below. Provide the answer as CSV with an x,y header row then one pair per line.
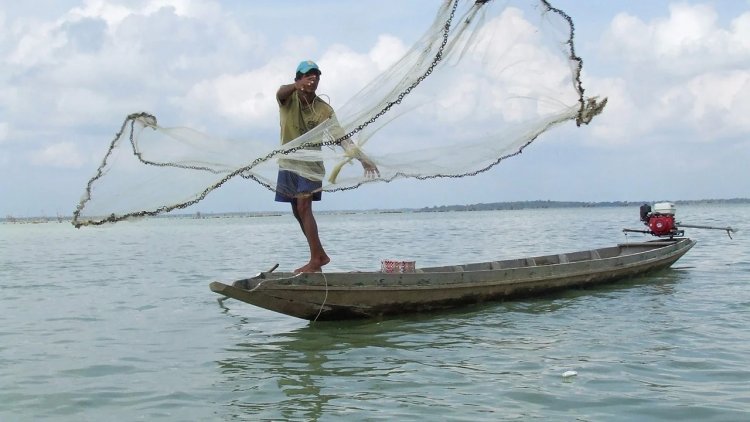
x,y
660,220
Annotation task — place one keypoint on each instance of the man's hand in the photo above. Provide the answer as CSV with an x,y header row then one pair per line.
x,y
306,83
353,151
371,170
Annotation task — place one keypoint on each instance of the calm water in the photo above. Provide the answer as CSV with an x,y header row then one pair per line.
x,y
118,323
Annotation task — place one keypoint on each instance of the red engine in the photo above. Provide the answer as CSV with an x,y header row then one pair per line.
x,y
661,224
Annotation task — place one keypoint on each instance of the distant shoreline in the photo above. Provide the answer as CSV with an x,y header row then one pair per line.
x,y
539,204
493,206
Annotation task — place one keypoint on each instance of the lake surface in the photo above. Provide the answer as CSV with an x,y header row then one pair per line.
x,y
118,323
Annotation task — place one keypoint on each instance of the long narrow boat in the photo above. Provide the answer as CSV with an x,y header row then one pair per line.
x,y
352,295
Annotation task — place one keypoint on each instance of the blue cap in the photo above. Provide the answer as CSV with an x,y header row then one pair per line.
x,y
306,66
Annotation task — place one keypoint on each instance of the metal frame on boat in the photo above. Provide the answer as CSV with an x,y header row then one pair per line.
x,y
356,295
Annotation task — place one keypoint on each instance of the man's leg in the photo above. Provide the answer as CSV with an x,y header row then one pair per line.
x,y
304,215
296,214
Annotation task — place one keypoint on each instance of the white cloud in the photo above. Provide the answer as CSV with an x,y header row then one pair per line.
x,y
105,57
202,9
4,131
387,51
74,106
684,74
712,104
690,29
114,14
108,11
4,26
622,121
346,71
249,97
245,97
689,42
37,45
62,155
740,32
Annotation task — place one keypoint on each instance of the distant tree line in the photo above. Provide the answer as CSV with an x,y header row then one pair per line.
x,y
522,205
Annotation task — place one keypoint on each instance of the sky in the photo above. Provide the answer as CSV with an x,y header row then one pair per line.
x,y
676,75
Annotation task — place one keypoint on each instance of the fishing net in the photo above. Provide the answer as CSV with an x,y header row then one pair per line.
x,y
482,83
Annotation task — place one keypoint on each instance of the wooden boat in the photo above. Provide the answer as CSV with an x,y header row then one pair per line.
x,y
351,295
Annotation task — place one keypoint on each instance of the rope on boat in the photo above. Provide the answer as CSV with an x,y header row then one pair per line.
x,y
324,297
222,299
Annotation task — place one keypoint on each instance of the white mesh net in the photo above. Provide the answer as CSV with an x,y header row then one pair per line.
x,y
482,83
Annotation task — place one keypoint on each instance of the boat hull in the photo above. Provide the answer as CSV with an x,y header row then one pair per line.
x,y
356,295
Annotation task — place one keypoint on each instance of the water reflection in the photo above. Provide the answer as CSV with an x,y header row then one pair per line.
x,y
257,372
281,375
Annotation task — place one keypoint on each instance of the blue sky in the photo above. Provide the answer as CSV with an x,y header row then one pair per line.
x,y
677,75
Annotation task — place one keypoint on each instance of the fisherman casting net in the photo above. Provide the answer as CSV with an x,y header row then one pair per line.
x,y
482,83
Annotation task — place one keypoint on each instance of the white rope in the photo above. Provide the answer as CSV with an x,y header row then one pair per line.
x,y
324,298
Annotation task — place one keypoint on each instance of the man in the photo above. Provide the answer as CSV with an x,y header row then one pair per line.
x,y
300,110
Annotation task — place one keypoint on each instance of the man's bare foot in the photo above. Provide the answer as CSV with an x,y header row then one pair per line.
x,y
314,266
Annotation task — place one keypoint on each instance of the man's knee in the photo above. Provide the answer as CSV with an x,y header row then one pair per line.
x,y
304,205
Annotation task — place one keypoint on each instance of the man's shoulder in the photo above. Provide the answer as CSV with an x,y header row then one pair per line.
x,y
324,104
287,102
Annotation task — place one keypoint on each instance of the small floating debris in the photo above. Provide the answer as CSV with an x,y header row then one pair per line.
x,y
569,374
